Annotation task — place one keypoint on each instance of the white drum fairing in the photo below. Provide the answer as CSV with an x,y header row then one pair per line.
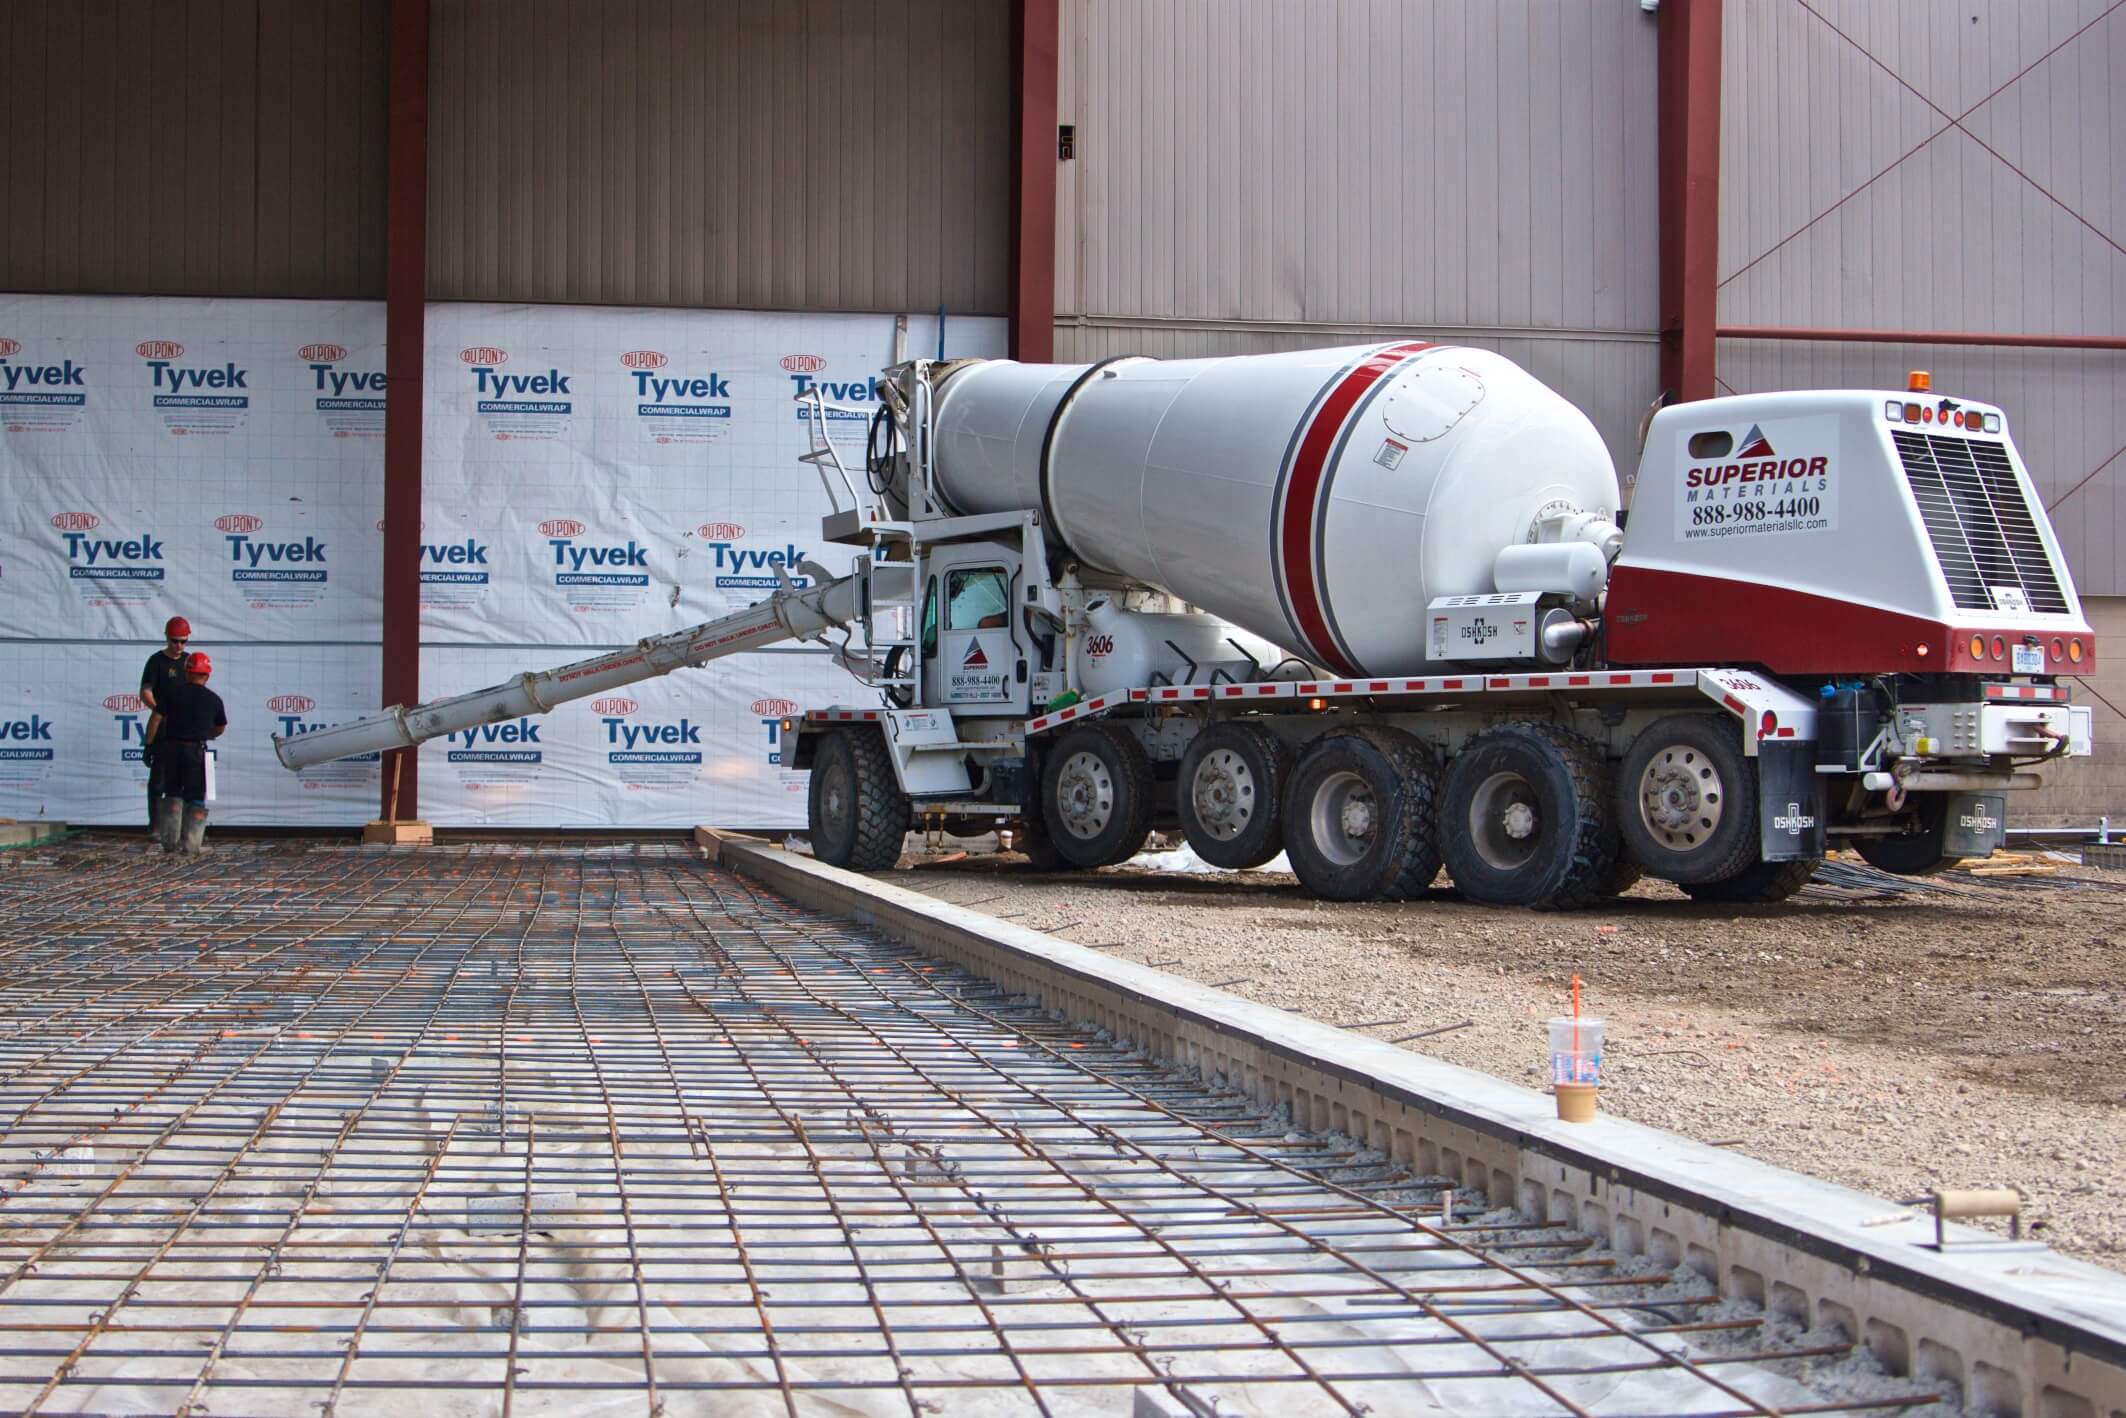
x,y
1320,499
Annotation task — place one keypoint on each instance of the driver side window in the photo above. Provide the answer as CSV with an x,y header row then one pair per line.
x,y
930,619
977,600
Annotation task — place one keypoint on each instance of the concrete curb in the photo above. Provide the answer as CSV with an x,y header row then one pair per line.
x,y
2021,1329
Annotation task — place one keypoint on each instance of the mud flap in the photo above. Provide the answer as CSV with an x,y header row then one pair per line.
x,y
1789,801
1975,825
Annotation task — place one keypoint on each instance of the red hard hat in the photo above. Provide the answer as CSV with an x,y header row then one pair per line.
x,y
177,628
197,663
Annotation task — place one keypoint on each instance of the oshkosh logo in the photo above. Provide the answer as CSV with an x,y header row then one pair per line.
x,y
1794,821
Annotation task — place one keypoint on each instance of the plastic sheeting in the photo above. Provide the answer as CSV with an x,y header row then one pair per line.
x,y
592,476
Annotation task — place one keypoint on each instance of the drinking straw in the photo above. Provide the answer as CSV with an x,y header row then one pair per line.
x,y
1576,1026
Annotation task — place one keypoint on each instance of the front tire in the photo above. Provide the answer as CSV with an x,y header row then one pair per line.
x,y
1358,816
1687,800
1527,819
859,815
1096,796
1232,780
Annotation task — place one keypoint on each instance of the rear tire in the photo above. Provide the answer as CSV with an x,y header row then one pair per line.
x,y
1359,816
1758,884
859,815
1687,800
1231,785
1096,796
1527,818
1915,853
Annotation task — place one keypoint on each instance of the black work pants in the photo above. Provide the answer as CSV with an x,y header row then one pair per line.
x,y
184,771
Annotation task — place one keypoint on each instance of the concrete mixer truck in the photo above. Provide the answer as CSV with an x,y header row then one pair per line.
x,y
1379,608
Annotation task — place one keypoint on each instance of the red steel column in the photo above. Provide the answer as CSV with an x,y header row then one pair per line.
x,y
1689,117
405,311
1034,36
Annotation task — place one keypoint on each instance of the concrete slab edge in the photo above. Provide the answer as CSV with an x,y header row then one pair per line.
x,y
2020,1329
30,834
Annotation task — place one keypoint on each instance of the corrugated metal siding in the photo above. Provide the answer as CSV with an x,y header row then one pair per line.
x,y
223,147
1822,224
1472,162
836,155
1248,169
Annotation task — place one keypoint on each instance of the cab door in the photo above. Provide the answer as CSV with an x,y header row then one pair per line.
x,y
973,655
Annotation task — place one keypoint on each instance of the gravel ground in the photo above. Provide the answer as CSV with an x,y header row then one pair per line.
x,y
1974,1036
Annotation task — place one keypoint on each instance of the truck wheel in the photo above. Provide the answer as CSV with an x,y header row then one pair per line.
x,y
1687,800
1096,796
1916,853
1527,819
858,812
1232,780
1759,883
1031,837
1358,816
1622,877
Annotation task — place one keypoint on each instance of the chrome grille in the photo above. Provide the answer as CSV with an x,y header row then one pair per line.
x,y
1984,531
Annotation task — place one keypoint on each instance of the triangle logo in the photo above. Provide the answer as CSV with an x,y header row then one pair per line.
x,y
1756,445
975,660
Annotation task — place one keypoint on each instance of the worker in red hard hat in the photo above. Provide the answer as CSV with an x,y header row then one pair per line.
x,y
189,716
164,668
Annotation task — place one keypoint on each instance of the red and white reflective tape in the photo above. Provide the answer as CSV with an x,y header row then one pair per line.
x,y
843,716
2043,693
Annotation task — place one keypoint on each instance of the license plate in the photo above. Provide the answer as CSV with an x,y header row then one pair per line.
x,y
2028,659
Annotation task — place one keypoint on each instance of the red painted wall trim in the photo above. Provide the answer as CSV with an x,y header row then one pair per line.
x,y
405,315
1035,36
1688,108
1921,337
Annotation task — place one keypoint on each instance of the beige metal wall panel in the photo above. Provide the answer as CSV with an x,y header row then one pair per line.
x,y
1263,175
1471,162
1913,165
835,155
221,147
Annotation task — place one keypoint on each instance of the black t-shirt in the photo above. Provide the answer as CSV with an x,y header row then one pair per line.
x,y
160,673
189,712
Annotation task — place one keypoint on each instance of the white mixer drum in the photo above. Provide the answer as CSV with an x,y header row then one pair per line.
x,y
1320,498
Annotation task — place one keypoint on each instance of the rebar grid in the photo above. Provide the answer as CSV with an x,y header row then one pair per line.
x,y
547,1128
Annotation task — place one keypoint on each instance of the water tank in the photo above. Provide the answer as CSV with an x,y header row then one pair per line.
x,y
1320,498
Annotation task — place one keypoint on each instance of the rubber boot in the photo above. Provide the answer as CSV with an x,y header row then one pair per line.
x,y
169,822
195,838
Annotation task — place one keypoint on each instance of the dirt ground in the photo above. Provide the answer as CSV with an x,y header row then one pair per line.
x,y
1968,1035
